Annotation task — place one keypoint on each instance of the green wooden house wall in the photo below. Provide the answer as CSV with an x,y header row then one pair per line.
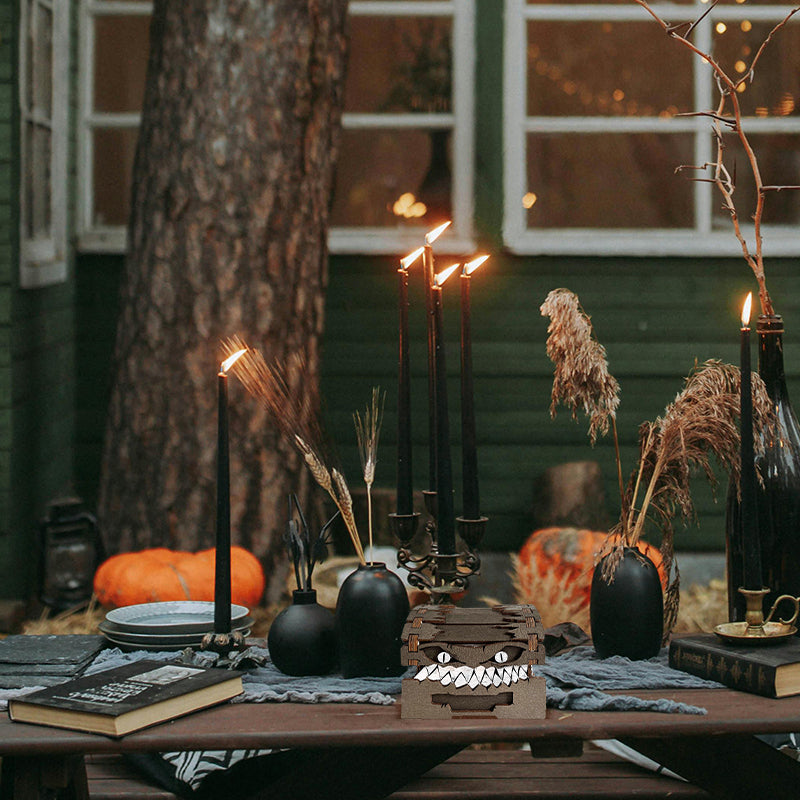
x,y
37,369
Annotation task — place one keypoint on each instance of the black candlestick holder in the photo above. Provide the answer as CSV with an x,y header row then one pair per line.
x,y
440,574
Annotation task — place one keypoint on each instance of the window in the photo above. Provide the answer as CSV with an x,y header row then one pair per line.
x,y
593,134
44,110
407,143
114,45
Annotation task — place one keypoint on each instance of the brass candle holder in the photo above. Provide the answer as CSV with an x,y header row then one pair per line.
x,y
440,574
756,629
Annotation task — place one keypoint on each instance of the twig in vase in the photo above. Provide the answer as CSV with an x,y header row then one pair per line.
x,y
729,90
368,431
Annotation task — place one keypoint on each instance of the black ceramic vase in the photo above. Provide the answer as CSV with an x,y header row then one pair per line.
x,y
370,614
778,498
302,638
627,614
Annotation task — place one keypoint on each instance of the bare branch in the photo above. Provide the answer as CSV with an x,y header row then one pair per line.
x,y
726,184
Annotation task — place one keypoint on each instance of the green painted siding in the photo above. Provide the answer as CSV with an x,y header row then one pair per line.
x,y
654,316
37,364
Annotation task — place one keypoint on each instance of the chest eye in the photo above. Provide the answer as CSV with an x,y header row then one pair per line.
x,y
501,657
443,658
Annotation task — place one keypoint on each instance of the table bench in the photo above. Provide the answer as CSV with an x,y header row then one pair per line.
x,y
469,775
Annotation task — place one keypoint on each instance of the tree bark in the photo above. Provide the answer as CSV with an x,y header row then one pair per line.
x,y
231,190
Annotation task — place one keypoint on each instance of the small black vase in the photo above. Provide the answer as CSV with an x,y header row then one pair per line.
x,y
302,638
627,614
370,614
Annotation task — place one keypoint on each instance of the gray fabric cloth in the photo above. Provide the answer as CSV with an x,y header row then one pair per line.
x,y
578,680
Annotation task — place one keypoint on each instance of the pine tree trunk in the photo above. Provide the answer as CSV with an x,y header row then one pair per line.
x,y
231,191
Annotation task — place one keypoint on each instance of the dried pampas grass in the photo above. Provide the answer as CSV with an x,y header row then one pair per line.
x,y
581,381
699,427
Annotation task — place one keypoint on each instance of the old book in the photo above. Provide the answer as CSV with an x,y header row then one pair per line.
x,y
127,698
772,670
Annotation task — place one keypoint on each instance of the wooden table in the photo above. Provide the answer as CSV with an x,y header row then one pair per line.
x,y
366,751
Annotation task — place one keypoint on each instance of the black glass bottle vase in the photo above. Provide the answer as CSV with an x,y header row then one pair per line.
x,y
370,613
778,500
302,638
627,613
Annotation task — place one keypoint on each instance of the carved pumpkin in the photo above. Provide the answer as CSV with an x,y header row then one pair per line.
x,y
553,571
160,574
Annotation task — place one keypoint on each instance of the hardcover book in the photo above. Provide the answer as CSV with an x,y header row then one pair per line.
x,y
127,698
772,670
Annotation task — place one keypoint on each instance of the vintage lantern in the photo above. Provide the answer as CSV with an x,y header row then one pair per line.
x,y
473,662
69,551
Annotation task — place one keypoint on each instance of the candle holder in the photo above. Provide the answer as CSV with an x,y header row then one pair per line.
x,y
756,629
223,643
440,574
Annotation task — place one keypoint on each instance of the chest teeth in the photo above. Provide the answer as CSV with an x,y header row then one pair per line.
x,y
460,676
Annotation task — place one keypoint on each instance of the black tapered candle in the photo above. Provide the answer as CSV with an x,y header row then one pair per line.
x,y
430,280
405,491
222,556
470,493
751,545
445,512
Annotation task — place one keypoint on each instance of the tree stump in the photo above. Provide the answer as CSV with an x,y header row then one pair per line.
x,y
570,494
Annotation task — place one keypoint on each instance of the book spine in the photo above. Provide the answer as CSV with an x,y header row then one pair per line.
x,y
726,668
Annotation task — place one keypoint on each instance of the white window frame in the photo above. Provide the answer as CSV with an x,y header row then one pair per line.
x,y
362,240
43,258
92,237
703,239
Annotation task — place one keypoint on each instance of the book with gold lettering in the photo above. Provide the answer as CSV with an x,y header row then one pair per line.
x,y
124,699
772,670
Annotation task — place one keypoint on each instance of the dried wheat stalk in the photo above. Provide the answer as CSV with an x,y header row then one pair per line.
x,y
283,390
368,432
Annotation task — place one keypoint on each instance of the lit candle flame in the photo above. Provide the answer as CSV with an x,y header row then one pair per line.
x,y
442,276
231,360
408,260
746,310
471,266
431,237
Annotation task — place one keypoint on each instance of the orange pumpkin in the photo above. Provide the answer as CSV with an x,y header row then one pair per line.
x,y
553,571
160,574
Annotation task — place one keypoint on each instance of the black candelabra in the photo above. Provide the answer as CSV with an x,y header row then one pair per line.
x,y
440,574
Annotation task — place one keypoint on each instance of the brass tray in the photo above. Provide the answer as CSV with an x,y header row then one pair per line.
x,y
770,632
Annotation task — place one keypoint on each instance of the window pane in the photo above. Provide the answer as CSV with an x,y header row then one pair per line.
x,y
779,164
606,69
41,86
607,181
121,48
38,146
776,88
390,178
114,149
399,64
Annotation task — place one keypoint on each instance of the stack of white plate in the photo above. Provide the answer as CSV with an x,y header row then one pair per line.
x,y
167,626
